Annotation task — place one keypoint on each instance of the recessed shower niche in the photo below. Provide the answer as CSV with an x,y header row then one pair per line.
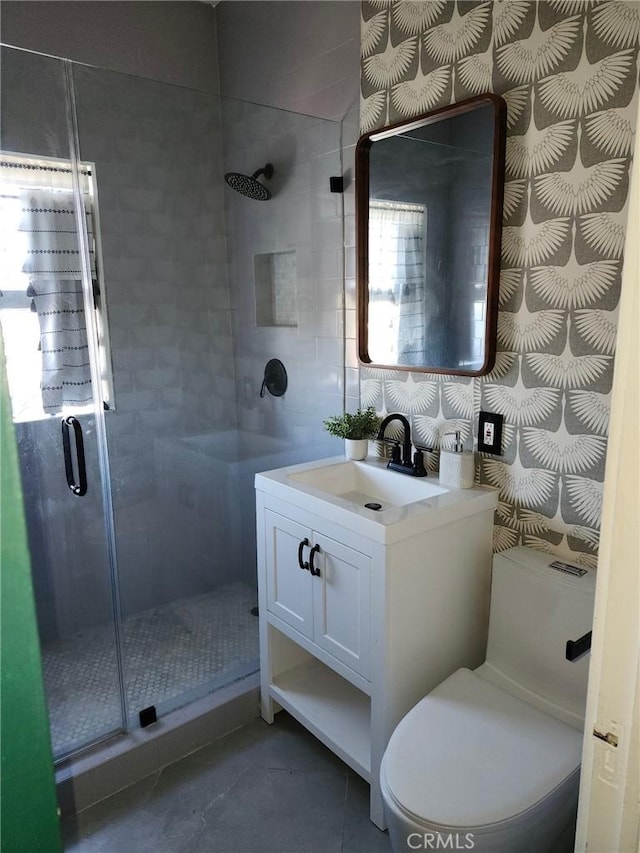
x,y
276,289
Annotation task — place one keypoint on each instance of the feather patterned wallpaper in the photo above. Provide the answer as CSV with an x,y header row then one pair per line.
x,y
568,70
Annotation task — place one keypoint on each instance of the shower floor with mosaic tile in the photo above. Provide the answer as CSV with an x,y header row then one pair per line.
x,y
173,654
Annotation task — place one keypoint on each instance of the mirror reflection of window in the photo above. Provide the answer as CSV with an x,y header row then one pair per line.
x,y
42,315
397,245
443,171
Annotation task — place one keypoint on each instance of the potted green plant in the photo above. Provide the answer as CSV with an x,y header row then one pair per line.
x,y
356,429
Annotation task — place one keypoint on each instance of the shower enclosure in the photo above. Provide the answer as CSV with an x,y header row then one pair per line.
x,y
137,312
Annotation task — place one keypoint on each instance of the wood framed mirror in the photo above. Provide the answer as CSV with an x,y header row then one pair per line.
x,y
429,195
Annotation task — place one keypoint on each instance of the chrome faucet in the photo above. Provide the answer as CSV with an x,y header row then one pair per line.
x,y
404,464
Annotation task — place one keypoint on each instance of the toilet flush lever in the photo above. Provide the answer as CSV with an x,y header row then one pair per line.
x,y
576,648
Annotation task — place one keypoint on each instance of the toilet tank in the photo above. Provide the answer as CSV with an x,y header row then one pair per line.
x,y
536,606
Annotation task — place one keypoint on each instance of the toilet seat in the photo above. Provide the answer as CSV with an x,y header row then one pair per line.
x,y
471,755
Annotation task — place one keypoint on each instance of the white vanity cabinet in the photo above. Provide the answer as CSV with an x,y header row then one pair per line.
x,y
394,605
319,587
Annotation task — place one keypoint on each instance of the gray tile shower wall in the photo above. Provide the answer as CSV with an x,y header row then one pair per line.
x,y
290,55
350,133
172,42
303,217
161,217
304,58
166,269
568,72
33,94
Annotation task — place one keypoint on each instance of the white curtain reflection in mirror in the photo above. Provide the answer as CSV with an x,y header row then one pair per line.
x,y
397,242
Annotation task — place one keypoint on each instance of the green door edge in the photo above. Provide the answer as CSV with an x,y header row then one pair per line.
x,y
29,815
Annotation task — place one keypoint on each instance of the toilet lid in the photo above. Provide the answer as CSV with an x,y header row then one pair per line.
x,y
470,754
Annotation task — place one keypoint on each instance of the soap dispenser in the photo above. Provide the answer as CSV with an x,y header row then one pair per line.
x,y
457,466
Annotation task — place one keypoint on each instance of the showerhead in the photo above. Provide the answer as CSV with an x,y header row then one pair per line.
x,y
250,186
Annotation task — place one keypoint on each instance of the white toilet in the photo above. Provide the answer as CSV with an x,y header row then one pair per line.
x,y
490,759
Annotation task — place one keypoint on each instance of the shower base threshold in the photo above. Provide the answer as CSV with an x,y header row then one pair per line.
x,y
123,760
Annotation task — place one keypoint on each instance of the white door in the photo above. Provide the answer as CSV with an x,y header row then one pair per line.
x,y
609,811
341,602
288,585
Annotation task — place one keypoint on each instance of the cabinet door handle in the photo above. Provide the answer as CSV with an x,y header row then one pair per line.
x,y
313,569
300,547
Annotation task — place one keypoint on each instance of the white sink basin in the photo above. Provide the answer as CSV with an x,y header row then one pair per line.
x,y
338,490
362,483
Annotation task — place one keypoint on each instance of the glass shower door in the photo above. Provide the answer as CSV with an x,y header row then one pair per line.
x,y
56,407
187,598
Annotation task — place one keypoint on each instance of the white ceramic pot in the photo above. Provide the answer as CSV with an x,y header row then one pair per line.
x,y
356,448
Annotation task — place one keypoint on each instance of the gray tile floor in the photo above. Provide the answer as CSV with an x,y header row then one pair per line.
x,y
260,789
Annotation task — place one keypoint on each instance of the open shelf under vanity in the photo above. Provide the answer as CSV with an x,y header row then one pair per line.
x,y
335,711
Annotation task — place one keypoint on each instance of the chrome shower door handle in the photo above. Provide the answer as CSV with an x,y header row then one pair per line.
x,y
80,488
